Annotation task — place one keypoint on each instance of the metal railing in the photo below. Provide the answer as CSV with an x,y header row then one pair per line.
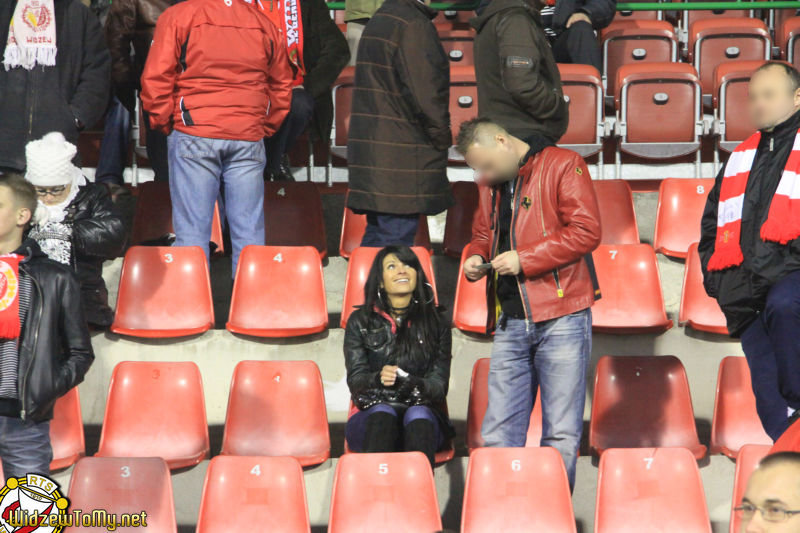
x,y
636,6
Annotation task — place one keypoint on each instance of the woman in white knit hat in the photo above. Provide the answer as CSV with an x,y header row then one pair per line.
x,y
82,228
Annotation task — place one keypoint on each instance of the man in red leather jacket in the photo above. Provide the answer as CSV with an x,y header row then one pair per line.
x,y
536,225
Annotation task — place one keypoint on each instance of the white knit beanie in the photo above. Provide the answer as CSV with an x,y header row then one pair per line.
x,y
49,161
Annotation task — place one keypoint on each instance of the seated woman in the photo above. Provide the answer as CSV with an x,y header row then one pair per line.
x,y
397,354
81,227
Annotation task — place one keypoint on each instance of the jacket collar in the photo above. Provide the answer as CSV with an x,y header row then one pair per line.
x,y
493,7
30,249
537,144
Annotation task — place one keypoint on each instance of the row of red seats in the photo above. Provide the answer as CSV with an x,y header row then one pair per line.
x,y
638,402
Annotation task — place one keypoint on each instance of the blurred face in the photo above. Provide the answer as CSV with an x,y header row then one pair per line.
x,y
12,216
493,160
771,98
774,489
53,195
399,279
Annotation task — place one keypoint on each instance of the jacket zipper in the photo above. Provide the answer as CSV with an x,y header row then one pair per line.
x,y
35,341
559,290
33,102
512,237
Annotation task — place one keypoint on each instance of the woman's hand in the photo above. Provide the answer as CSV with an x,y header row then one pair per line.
x,y
388,375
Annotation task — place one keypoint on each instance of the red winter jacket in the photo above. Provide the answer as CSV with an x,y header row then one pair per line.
x,y
555,225
217,68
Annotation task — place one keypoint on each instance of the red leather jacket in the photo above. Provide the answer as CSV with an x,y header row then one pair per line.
x,y
555,225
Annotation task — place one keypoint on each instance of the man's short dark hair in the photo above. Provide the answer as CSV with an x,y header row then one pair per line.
x,y
468,134
23,191
780,458
793,73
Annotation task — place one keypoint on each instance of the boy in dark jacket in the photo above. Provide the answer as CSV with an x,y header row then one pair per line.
x,y
45,348
82,228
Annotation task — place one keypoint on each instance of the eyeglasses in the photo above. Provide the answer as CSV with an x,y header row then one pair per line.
x,y
52,191
770,514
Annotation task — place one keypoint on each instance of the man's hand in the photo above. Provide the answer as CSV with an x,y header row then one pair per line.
x,y
578,17
388,375
507,263
470,271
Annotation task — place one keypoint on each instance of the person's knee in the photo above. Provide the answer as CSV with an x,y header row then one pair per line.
x,y
418,412
783,300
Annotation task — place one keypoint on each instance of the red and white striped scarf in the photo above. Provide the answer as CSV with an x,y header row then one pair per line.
x,y
783,220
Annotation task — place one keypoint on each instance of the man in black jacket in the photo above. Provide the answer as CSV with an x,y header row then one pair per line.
x,y
51,351
66,97
749,246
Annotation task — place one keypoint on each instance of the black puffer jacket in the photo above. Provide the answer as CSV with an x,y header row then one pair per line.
x,y
742,291
55,350
369,346
44,99
98,234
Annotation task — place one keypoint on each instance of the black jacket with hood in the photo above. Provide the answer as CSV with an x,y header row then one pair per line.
x,y
55,350
742,291
519,85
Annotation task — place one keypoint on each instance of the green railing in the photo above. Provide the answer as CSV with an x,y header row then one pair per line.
x,y
635,6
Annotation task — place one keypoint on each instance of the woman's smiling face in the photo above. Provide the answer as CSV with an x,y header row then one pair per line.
x,y
398,278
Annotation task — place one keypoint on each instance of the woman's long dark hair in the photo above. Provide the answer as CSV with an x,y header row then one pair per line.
x,y
421,320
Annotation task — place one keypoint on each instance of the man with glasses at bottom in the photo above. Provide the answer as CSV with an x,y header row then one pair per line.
x,y
771,503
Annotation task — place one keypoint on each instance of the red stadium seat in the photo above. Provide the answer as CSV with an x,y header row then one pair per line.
x,y
634,16
66,431
689,17
698,310
126,485
631,301
391,491
137,422
642,402
680,208
650,489
617,217
353,227
152,219
746,462
150,279
469,307
448,20
736,421
479,400
458,224
731,121
358,269
463,100
279,291
717,40
667,94
636,41
583,90
293,215
457,45
240,492
524,490
277,408
342,107
789,43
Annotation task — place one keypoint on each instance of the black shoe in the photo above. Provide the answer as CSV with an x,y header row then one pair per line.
x,y
284,174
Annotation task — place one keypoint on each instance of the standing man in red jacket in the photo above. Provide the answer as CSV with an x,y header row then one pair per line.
x,y
536,224
217,77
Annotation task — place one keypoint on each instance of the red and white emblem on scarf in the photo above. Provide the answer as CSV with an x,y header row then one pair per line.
x,y
36,15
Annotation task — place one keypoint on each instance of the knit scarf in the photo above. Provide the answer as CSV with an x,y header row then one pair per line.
x,y
9,296
783,219
31,35
285,15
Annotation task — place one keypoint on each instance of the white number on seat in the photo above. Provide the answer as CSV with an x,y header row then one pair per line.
x,y
516,466
278,258
256,471
126,471
383,469
168,258
613,253
701,189
282,191
649,462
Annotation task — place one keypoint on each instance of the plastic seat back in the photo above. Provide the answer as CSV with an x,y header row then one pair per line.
x,y
457,45
698,310
458,224
395,490
650,489
136,423
642,402
343,106
242,491
524,490
293,215
583,90
746,462
730,95
463,96
617,217
66,431
279,291
469,307
681,202
277,408
150,279
354,226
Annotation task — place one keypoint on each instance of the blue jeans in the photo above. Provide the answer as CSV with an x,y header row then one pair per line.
x,y
771,345
552,355
384,229
198,167
25,447
114,146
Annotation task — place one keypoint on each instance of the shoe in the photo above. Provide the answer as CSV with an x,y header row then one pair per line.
x,y
284,174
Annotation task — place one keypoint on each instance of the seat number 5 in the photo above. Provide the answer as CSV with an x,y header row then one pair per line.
x,y
383,469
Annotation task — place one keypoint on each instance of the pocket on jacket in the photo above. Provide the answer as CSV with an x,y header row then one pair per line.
x,y
376,339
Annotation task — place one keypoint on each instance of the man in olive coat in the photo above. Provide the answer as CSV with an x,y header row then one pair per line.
x,y
400,124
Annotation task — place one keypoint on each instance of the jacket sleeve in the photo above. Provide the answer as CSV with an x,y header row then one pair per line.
x,y
102,235
359,375
161,72
90,98
279,83
436,381
426,75
519,67
601,12
74,333
120,29
708,235
580,231
334,52
481,243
